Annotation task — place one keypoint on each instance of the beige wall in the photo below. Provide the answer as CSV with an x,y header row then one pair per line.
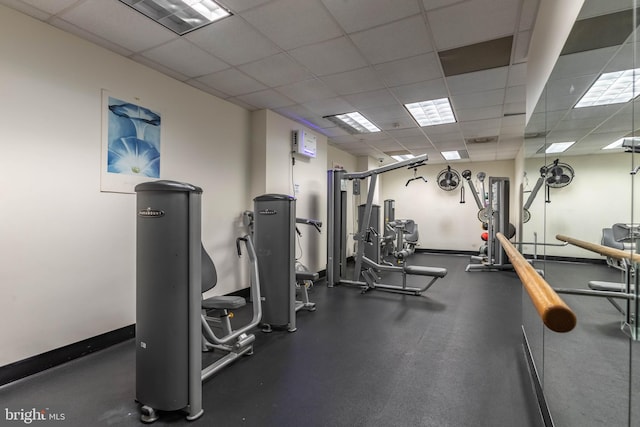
x,y
579,210
443,222
68,249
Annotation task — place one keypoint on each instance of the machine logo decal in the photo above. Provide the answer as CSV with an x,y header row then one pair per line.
x,y
150,213
267,212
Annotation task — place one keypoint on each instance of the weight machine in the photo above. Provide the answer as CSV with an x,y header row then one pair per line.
x,y
337,235
172,329
496,216
273,223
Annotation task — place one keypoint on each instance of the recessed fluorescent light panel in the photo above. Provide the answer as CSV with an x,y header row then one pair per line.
x,y
180,16
558,147
613,145
353,123
612,88
401,157
451,155
431,113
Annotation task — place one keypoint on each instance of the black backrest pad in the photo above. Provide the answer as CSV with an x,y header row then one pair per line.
x,y
209,275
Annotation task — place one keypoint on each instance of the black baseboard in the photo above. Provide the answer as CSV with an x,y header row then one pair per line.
x,y
545,414
41,362
445,252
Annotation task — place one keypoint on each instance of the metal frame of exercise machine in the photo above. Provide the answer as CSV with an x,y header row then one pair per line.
x,y
337,234
496,215
172,271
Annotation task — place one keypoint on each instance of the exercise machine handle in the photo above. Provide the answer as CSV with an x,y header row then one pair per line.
x,y
238,248
316,224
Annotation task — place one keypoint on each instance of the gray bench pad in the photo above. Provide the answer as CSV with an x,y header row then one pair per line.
x,y
598,285
425,271
223,302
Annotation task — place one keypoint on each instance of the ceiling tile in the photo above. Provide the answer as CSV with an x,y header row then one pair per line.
x,y
356,15
450,145
397,40
579,64
86,35
478,81
234,41
485,55
384,113
478,99
184,57
448,137
396,123
413,142
48,6
514,108
473,21
115,21
266,99
375,98
158,67
410,70
307,22
307,90
514,121
442,129
276,70
328,107
203,87
471,114
334,131
232,82
242,5
402,133
517,75
422,91
329,57
516,94
479,128
361,80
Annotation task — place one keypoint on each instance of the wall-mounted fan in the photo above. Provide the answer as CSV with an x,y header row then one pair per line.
x,y
557,175
554,175
448,179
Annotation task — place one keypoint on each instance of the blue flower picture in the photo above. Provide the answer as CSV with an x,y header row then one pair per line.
x,y
133,139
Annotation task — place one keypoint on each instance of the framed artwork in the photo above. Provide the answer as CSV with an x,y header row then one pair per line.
x,y
130,144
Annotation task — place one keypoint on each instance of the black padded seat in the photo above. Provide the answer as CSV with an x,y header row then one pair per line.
x,y
425,271
307,275
224,302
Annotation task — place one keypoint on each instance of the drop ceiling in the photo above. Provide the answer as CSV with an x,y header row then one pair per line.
x,y
306,59
601,41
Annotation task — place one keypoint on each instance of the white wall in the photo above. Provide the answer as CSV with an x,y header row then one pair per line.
x,y
278,174
67,249
443,222
598,197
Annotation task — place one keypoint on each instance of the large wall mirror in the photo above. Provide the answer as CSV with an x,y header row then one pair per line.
x,y
580,182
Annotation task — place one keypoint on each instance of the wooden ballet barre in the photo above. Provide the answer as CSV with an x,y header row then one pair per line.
x,y
599,249
553,311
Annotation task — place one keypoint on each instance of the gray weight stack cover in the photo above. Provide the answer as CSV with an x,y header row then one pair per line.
x,y
274,242
162,294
